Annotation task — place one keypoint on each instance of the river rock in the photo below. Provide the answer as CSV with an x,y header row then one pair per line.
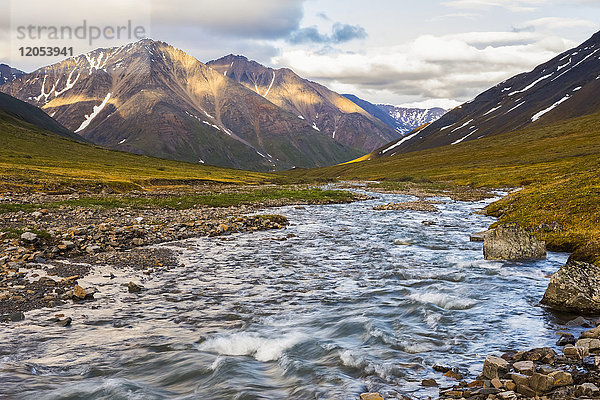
x,y
493,366
575,287
429,382
565,339
134,288
589,343
591,334
587,390
511,242
371,396
541,383
29,237
561,378
508,395
525,367
575,352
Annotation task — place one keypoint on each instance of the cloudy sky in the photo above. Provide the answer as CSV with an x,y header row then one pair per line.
x,y
433,52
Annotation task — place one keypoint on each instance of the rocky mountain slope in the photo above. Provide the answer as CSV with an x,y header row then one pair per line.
x,y
402,119
150,98
8,74
324,109
565,87
17,109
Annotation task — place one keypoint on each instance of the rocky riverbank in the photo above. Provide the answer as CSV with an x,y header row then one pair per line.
x,y
43,253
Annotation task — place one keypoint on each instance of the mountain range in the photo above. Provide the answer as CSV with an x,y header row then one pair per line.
x,y
151,98
8,74
402,119
565,87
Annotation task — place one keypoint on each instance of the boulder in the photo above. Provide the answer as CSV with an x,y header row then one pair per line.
x,y
429,382
511,242
588,343
493,367
525,367
575,287
587,390
591,334
541,383
561,378
29,237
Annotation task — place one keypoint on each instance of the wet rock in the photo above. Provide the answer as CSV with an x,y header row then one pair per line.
x,y
29,237
12,317
575,352
561,378
565,339
134,288
520,379
400,242
441,368
453,374
80,293
524,367
543,354
511,242
493,367
429,382
579,321
496,383
371,396
477,237
541,383
525,391
575,287
508,395
588,343
591,334
587,390
65,322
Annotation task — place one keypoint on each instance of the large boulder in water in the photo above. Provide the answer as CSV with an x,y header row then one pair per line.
x,y
511,242
575,287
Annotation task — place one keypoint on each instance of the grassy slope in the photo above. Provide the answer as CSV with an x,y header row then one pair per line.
x,y
32,159
558,165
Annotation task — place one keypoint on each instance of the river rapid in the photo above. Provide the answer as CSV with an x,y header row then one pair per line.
x,y
344,300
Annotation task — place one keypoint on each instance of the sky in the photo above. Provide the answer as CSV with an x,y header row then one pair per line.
x,y
421,53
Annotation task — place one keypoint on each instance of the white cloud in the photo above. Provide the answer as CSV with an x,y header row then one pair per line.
x,y
440,67
553,23
511,5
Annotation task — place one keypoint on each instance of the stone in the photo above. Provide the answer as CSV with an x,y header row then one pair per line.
x,y
12,317
591,334
589,343
494,366
575,287
497,384
508,395
138,242
453,374
400,242
542,354
477,237
29,237
561,378
80,293
587,390
525,391
510,386
524,367
36,214
429,382
371,396
565,339
133,288
579,321
541,383
520,379
511,242
441,368
65,322
93,249
575,352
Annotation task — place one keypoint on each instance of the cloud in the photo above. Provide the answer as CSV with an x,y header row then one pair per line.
x,y
267,19
554,23
440,67
511,5
340,33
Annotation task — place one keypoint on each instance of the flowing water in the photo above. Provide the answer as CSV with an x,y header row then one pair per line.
x,y
335,309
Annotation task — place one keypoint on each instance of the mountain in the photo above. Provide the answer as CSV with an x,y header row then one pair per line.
x,y
8,74
402,119
149,98
408,119
324,109
565,87
25,112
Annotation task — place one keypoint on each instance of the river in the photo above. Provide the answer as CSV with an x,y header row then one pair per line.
x,y
328,308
